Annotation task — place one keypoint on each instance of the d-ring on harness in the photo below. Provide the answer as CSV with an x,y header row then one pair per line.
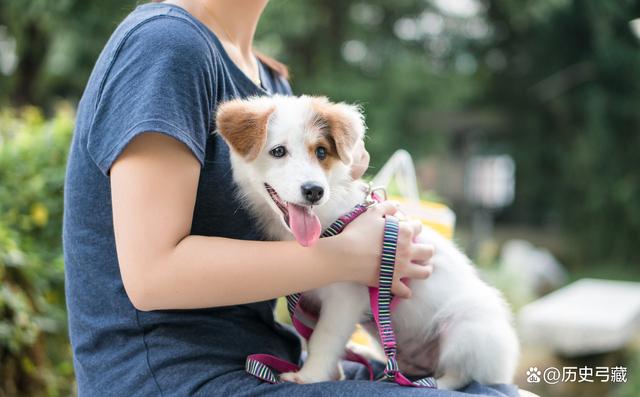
x,y
265,366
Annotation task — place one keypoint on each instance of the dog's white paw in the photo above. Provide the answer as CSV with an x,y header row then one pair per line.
x,y
302,377
451,382
308,375
370,352
293,377
339,373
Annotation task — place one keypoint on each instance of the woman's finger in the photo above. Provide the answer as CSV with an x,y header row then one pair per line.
x,y
386,208
416,227
421,253
400,289
419,271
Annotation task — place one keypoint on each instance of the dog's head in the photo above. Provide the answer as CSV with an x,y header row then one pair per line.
x,y
292,151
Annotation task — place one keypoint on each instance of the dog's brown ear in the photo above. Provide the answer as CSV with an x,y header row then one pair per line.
x,y
345,124
243,124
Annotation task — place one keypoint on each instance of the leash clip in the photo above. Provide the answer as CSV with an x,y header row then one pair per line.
x,y
375,195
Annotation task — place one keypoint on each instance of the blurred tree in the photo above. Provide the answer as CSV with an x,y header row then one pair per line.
x,y
571,90
57,44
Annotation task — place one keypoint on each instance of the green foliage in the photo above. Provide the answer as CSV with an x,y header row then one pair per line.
x,y
57,43
34,354
571,94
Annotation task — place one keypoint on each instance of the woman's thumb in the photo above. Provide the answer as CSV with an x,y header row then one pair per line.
x,y
388,207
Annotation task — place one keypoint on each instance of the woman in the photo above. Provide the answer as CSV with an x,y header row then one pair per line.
x,y
169,287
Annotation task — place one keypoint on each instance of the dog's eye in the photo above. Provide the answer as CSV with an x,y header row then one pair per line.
x,y
321,153
278,151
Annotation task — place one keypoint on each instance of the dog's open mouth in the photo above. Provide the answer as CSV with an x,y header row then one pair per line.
x,y
300,219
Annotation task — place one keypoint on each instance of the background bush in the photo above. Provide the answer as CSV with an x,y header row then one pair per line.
x,y
34,353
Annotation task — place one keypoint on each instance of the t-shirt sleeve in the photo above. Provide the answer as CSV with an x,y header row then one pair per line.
x,y
161,80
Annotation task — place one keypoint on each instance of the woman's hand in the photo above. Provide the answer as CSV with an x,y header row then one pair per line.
x,y
359,249
360,161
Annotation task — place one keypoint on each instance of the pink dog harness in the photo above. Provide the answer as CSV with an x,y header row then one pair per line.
x,y
265,366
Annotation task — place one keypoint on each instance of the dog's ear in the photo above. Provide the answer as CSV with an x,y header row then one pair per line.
x,y
243,124
345,124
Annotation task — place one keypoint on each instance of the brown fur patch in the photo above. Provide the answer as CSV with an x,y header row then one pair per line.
x,y
244,127
323,139
332,119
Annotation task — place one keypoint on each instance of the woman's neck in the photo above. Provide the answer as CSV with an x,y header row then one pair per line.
x,y
234,22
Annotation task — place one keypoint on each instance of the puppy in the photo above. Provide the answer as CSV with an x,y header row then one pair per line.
x,y
291,160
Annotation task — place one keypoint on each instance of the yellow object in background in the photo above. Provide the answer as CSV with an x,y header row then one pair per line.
x,y
435,215
398,177
361,337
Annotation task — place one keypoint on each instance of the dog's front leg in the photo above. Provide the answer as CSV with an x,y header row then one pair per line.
x,y
343,305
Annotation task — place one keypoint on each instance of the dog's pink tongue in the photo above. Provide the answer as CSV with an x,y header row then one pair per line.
x,y
304,224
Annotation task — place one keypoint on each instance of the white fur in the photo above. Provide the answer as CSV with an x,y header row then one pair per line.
x,y
455,326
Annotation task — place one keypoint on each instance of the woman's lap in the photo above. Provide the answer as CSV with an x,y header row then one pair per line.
x,y
242,385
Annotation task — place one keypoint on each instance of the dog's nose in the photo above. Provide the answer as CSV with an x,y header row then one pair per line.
x,y
312,192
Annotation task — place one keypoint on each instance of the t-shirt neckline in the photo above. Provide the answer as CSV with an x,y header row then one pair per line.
x,y
244,80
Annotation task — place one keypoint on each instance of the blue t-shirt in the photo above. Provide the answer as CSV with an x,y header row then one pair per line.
x,y
161,71
164,71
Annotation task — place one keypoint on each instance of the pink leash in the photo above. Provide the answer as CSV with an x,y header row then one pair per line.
x,y
265,366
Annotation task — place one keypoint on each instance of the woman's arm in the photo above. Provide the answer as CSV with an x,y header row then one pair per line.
x,y
153,187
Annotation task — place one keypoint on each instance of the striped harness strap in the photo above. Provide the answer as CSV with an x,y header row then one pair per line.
x,y
381,304
265,366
